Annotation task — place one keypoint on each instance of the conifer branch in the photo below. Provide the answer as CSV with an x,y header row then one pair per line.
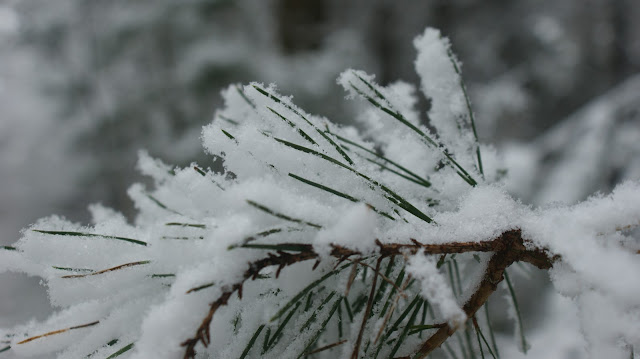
x,y
508,248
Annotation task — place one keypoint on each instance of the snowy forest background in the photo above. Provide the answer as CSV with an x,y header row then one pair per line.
x,y
86,84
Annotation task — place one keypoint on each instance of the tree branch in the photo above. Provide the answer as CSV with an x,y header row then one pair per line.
x,y
511,248
508,247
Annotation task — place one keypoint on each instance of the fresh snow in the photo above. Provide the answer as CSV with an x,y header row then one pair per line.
x,y
295,178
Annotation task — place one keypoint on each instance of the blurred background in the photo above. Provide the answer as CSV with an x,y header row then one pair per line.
x,y
86,84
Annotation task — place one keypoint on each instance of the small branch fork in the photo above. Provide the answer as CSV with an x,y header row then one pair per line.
x,y
508,248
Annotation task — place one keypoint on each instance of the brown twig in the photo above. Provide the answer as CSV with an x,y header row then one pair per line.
x,y
356,348
508,248
281,259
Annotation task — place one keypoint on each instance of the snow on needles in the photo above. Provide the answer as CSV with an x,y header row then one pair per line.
x,y
294,181
436,290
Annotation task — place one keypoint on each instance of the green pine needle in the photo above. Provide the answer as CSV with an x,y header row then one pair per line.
x,y
397,283
417,178
162,205
262,234
338,193
313,316
291,247
275,336
252,341
204,174
199,288
306,290
82,234
280,215
121,351
227,119
348,307
491,336
390,195
244,96
426,138
290,108
383,284
194,225
469,110
405,330
293,125
385,168
167,275
181,238
265,343
324,188
398,321
315,337
229,135
519,323
480,335
419,328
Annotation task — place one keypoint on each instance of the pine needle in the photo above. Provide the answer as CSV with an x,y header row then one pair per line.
x,y
348,307
403,334
167,275
201,287
423,181
469,110
337,193
292,247
275,336
162,205
290,108
398,321
59,331
426,138
293,125
122,266
306,290
315,337
491,336
280,215
244,97
82,234
327,347
252,341
68,269
523,341
227,119
419,328
121,351
390,195
194,225
480,335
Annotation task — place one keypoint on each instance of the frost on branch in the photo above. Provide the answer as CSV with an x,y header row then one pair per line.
x,y
318,240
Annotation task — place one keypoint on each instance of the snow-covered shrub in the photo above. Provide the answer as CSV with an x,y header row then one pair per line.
x,y
320,241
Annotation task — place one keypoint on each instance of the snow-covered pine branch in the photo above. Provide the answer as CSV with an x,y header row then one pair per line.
x,y
317,240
